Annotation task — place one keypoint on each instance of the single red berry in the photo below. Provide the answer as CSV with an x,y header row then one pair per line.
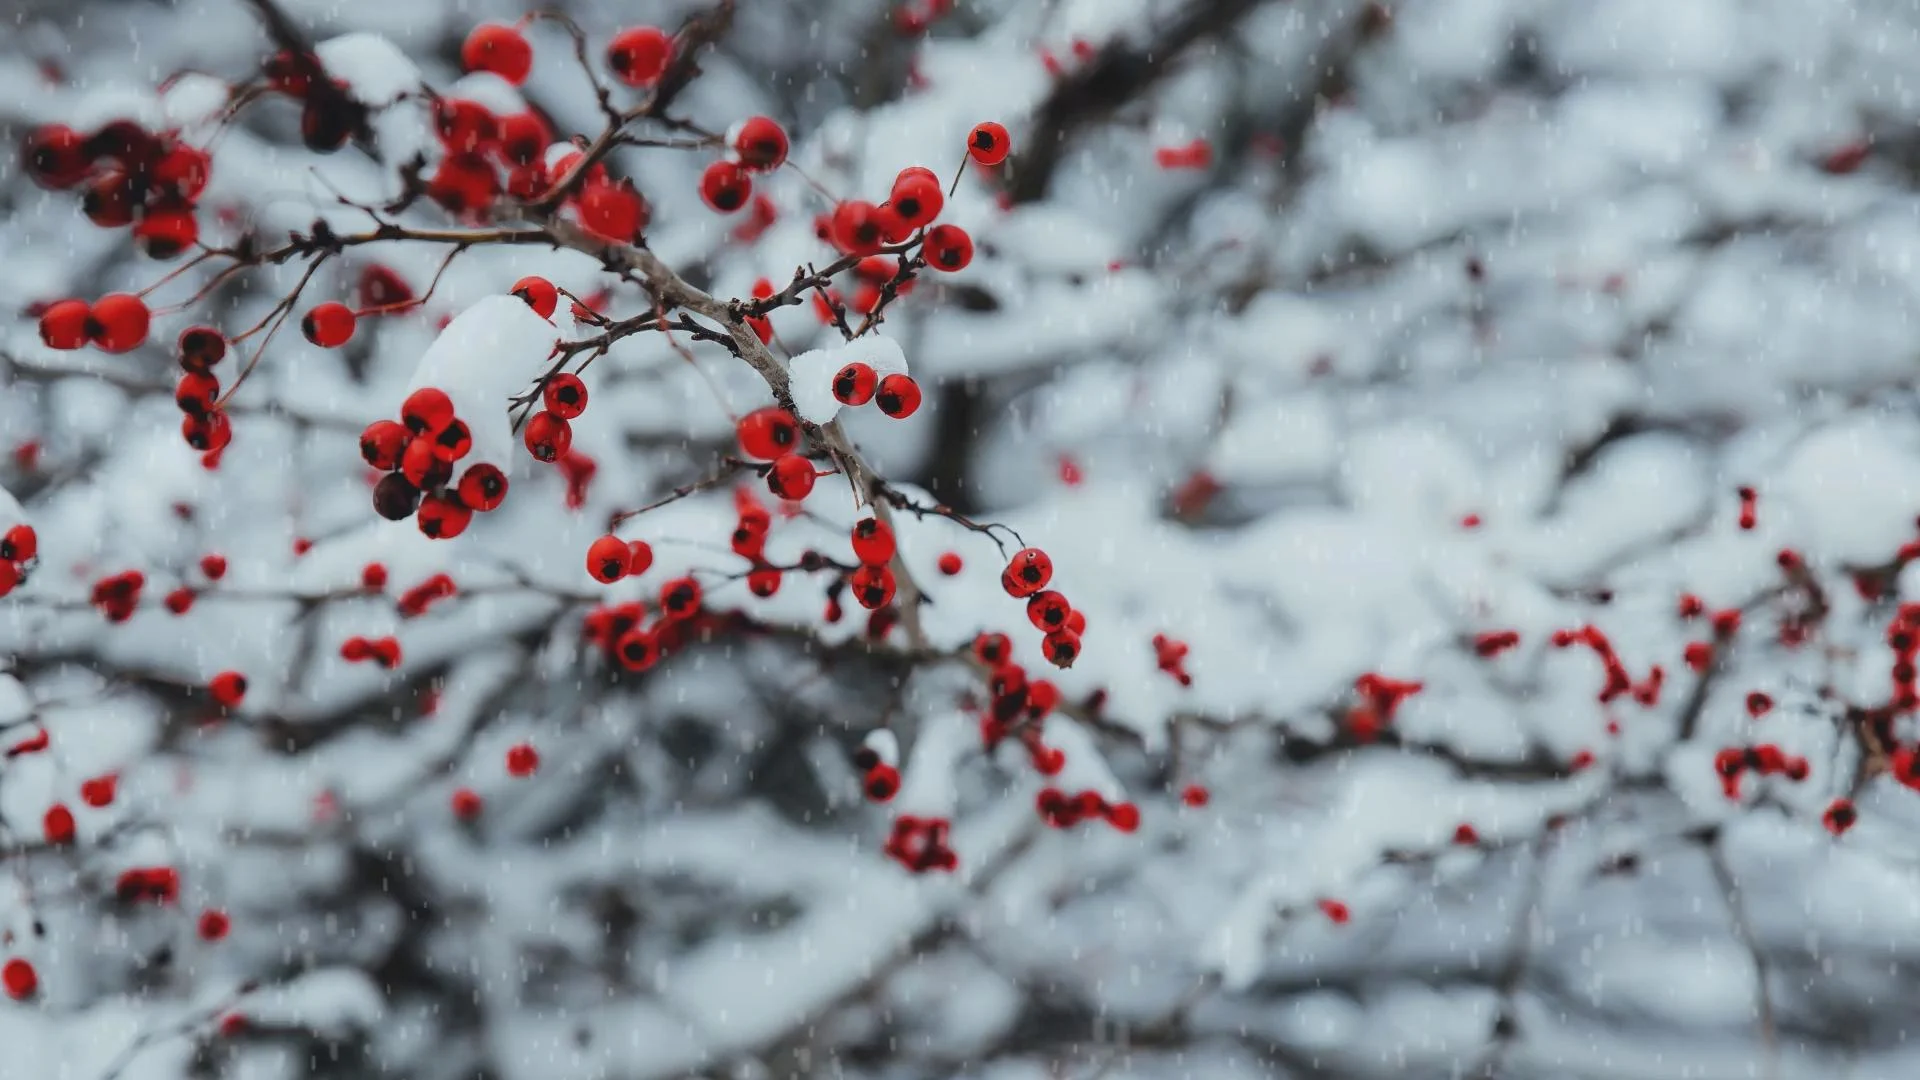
x,y
873,542
64,325
56,156
57,824
872,586
19,544
382,443
767,433
467,804
917,197
200,348
442,518
208,433
680,598
183,171
637,650
1061,647
638,57
521,138
882,783
498,48
19,978
854,385
857,228
992,649
764,582
522,759
548,436
373,576
1195,796
228,688
566,395
760,143
607,559
482,488
639,557
395,497
427,411
898,396
725,186
99,791
612,211
1840,816
328,325
119,322
1758,704
948,248
539,294
791,477
1124,816
988,143
1027,573
213,924
196,393
355,649
1335,911
453,442
1465,835
180,601
423,466
465,127
950,563
166,232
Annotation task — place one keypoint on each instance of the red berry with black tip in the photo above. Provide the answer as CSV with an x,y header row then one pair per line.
x,y
329,325
453,442
64,325
760,143
638,57
948,248
498,48
725,186
19,544
608,559
228,689
917,197
1027,573
566,395
988,143
207,432
442,518
791,478
680,598
768,433
119,323
548,436
1061,647
196,392
854,385
200,348
898,396
427,411
482,487
873,542
872,586
382,444
858,228
539,294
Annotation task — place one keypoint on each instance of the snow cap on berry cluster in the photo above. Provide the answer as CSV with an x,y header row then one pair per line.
x,y
813,371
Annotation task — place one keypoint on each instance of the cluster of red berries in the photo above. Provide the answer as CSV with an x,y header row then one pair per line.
x,y
1725,623
132,176
549,433
486,154
860,228
921,844
1380,699
1903,637
1063,811
771,434
880,779
897,395
1017,705
180,601
19,546
1764,760
758,145
418,454
1170,656
1619,683
1026,578
873,545
384,651
204,426
610,558
115,323
621,631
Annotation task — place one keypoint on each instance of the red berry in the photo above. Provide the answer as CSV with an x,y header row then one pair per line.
x,y
1062,647
1840,816
522,759
328,325
57,824
764,582
882,783
442,518
1194,795
898,396
207,433
165,233
608,559
1124,817
180,601
454,442
637,650
759,143
522,138
873,542
99,791
680,598
422,466
1027,573
638,57
612,211
213,924
917,197
19,544
725,186
200,348
382,444
19,978
482,488
498,48
872,586
64,324
119,322
566,395
948,248
791,477
950,563
855,384
466,804
992,649
539,294
988,143
857,228
56,156
183,171
196,393
213,566
373,576
767,433
228,688
1335,911
548,436
639,557
427,411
